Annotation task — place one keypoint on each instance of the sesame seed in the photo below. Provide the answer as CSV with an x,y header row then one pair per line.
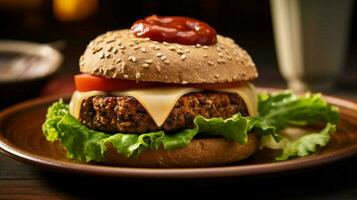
x,y
198,45
205,47
110,48
146,39
187,51
101,56
132,59
136,47
137,75
142,49
107,55
163,58
118,60
125,76
131,44
220,61
121,47
95,50
183,56
184,82
229,57
145,65
179,46
179,52
165,43
110,41
205,55
167,62
220,54
216,76
149,61
158,54
172,48
158,67
122,67
157,48
115,50
155,42
210,63
152,45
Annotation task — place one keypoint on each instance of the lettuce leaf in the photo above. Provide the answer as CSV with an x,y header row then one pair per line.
x,y
308,143
277,111
84,144
286,109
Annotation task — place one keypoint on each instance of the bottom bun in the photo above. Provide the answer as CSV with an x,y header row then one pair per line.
x,y
199,153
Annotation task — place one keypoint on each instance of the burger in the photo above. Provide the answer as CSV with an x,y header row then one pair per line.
x,y
169,92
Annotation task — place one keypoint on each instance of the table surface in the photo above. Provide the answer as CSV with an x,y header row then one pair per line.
x,y
332,181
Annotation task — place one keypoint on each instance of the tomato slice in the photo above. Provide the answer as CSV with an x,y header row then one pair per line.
x,y
87,82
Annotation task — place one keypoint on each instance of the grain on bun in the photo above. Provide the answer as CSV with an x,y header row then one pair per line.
x,y
121,55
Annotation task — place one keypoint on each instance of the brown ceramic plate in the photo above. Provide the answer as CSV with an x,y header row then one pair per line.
x,y
21,138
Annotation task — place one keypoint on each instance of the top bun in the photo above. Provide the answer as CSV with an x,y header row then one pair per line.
x,y
121,55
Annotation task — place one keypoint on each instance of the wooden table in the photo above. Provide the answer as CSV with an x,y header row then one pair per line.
x,y
333,181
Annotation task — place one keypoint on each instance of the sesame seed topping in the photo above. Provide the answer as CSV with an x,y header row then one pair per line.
x,y
198,45
145,65
110,41
131,44
159,54
115,50
152,45
155,42
220,61
220,54
205,55
149,61
121,47
183,56
137,75
132,59
205,47
179,46
101,56
95,50
229,57
157,48
110,48
216,76
179,52
136,47
158,67
210,63
172,48
165,43
142,49
107,55
118,60
125,76
187,51
163,58
184,82
167,62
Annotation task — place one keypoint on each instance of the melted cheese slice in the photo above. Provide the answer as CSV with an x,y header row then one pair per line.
x,y
159,102
77,99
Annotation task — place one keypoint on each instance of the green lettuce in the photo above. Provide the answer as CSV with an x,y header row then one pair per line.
x,y
277,112
84,144
285,109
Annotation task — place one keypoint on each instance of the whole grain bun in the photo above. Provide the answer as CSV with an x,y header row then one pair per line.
x,y
121,55
199,153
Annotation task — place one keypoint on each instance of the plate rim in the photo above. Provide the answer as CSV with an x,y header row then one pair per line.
x,y
10,150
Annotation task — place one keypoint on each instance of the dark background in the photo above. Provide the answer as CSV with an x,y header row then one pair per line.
x,y
248,22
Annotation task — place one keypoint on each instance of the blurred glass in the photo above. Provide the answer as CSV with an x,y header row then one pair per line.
x,y
311,38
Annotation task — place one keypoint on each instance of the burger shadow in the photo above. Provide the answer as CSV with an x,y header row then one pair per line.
x,y
330,181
